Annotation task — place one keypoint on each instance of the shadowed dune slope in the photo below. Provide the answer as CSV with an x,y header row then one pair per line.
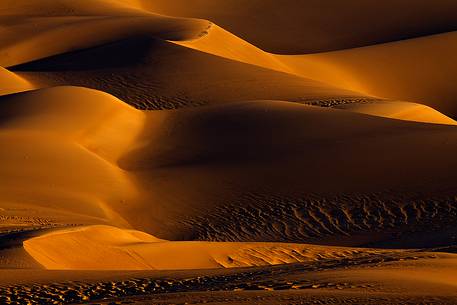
x,y
247,171
277,171
420,70
296,27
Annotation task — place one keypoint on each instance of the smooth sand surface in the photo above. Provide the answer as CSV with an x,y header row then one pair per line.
x,y
419,70
167,159
11,83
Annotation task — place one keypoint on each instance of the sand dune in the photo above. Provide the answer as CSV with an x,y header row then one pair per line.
x,y
109,248
273,157
413,70
278,171
156,74
220,42
56,27
139,78
65,130
138,142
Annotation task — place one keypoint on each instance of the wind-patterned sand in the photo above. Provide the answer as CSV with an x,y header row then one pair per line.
x,y
131,140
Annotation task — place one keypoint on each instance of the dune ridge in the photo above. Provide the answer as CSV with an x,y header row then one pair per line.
x,y
109,248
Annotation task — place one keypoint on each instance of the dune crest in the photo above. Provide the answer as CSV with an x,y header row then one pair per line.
x,y
219,42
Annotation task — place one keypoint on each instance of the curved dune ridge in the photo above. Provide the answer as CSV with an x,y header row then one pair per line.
x,y
151,141
32,28
109,248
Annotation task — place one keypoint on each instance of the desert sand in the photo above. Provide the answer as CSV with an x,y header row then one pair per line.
x,y
169,152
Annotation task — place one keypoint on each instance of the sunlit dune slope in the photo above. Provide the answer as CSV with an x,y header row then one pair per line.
x,y
400,110
419,70
110,248
11,83
37,29
247,171
155,74
220,42
58,152
296,27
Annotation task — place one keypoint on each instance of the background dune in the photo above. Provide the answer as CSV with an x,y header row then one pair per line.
x,y
296,27
37,29
154,74
139,66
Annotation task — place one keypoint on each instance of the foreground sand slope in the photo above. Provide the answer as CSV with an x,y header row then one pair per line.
x,y
381,278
